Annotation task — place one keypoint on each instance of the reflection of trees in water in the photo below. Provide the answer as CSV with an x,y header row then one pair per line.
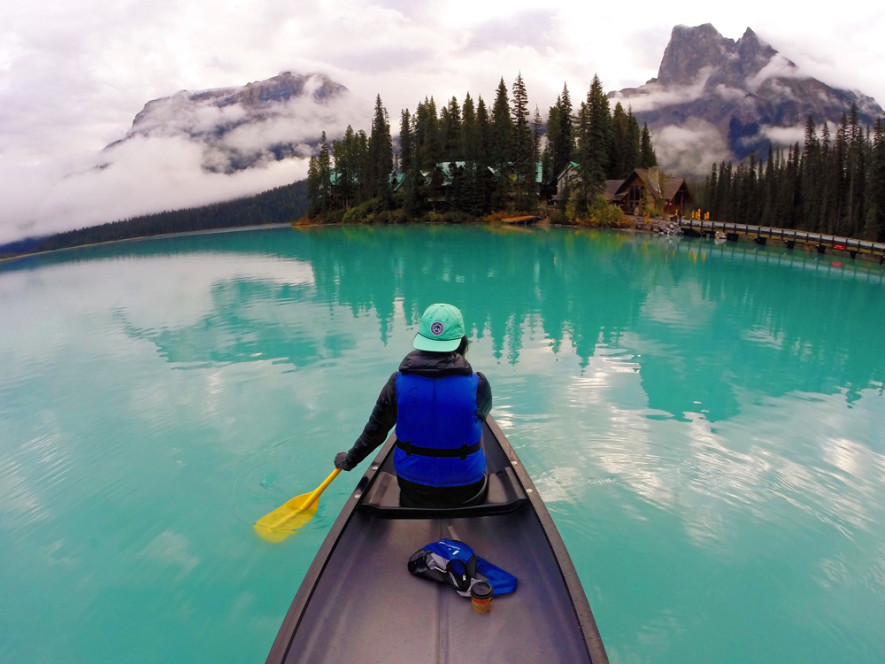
x,y
739,321
777,324
702,321
502,281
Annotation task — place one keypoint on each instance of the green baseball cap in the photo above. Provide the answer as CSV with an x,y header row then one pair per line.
x,y
441,329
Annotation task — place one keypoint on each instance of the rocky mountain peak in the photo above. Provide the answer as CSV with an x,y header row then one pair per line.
x,y
716,98
253,97
694,52
262,121
689,51
286,86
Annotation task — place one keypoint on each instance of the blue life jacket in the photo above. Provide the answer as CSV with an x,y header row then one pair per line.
x,y
438,430
453,562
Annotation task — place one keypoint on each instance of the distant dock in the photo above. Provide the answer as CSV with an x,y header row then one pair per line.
x,y
821,242
524,220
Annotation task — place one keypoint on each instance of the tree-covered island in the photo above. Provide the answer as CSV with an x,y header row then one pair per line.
x,y
466,161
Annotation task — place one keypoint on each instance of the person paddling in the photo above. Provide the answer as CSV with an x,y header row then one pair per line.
x,y
437,403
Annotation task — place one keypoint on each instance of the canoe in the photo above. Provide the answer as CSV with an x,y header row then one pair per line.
x,y
359,603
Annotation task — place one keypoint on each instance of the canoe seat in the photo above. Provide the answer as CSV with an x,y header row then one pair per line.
x,y
505,494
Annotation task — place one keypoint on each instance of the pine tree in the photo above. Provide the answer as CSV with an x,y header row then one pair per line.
x,y
635,142
818,221
594,141
792,187
380,156
361,150
623,159
722,205
349,173
469,130
647,156
874,221
471,147
501,144
810,171
406,143
712,184
486,181
537,137
320,179
313,186
547,157
450,121
562,132
428,148
767,185
855,175
521,151
838,172
409,165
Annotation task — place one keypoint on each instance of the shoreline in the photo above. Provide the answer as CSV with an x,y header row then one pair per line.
x,y
809,242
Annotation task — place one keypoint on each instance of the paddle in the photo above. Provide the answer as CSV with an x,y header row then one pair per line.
x,y
290,516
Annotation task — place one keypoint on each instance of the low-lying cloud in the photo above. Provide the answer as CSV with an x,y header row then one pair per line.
x,y
175,157
690,148
145,175
653,95
777,67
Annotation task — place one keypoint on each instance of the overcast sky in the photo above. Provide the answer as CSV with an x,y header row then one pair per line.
x,y
73,74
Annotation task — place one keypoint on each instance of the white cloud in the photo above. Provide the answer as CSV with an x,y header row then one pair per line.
x,y
777,67
299,120
729,94
173,550
690,148
783,135
655,95
171,294
143,176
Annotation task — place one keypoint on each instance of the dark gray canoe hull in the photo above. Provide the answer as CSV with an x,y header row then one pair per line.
x,y
358,602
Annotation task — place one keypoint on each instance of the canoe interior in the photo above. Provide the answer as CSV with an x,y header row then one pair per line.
x,y
358,602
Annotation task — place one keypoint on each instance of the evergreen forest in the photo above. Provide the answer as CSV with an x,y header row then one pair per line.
x,y
831,184
465,160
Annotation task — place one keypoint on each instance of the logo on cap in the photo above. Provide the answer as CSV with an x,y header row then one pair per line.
x,y
437,328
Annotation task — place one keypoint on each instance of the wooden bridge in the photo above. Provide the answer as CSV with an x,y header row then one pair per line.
x,y
761,234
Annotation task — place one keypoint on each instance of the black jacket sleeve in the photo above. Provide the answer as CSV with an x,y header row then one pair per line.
x,y
381,421
483,396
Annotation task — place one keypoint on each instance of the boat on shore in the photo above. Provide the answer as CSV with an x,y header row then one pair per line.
x,y
359,603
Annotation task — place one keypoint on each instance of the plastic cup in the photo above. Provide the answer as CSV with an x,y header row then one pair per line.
x,y
481,594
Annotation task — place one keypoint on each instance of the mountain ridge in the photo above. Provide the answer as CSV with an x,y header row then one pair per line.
x,y
241,127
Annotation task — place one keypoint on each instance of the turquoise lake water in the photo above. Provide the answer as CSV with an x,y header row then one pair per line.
x,y
705,422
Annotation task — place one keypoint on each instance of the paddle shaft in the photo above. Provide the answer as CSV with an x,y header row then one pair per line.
x,y
316,493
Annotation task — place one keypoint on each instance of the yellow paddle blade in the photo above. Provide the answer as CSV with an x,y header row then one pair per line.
x,y
285,520
293,514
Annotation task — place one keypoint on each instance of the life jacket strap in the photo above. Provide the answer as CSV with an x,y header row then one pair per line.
x,y
442,453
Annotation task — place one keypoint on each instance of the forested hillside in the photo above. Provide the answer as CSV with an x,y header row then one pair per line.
x,y
831,184
281,205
